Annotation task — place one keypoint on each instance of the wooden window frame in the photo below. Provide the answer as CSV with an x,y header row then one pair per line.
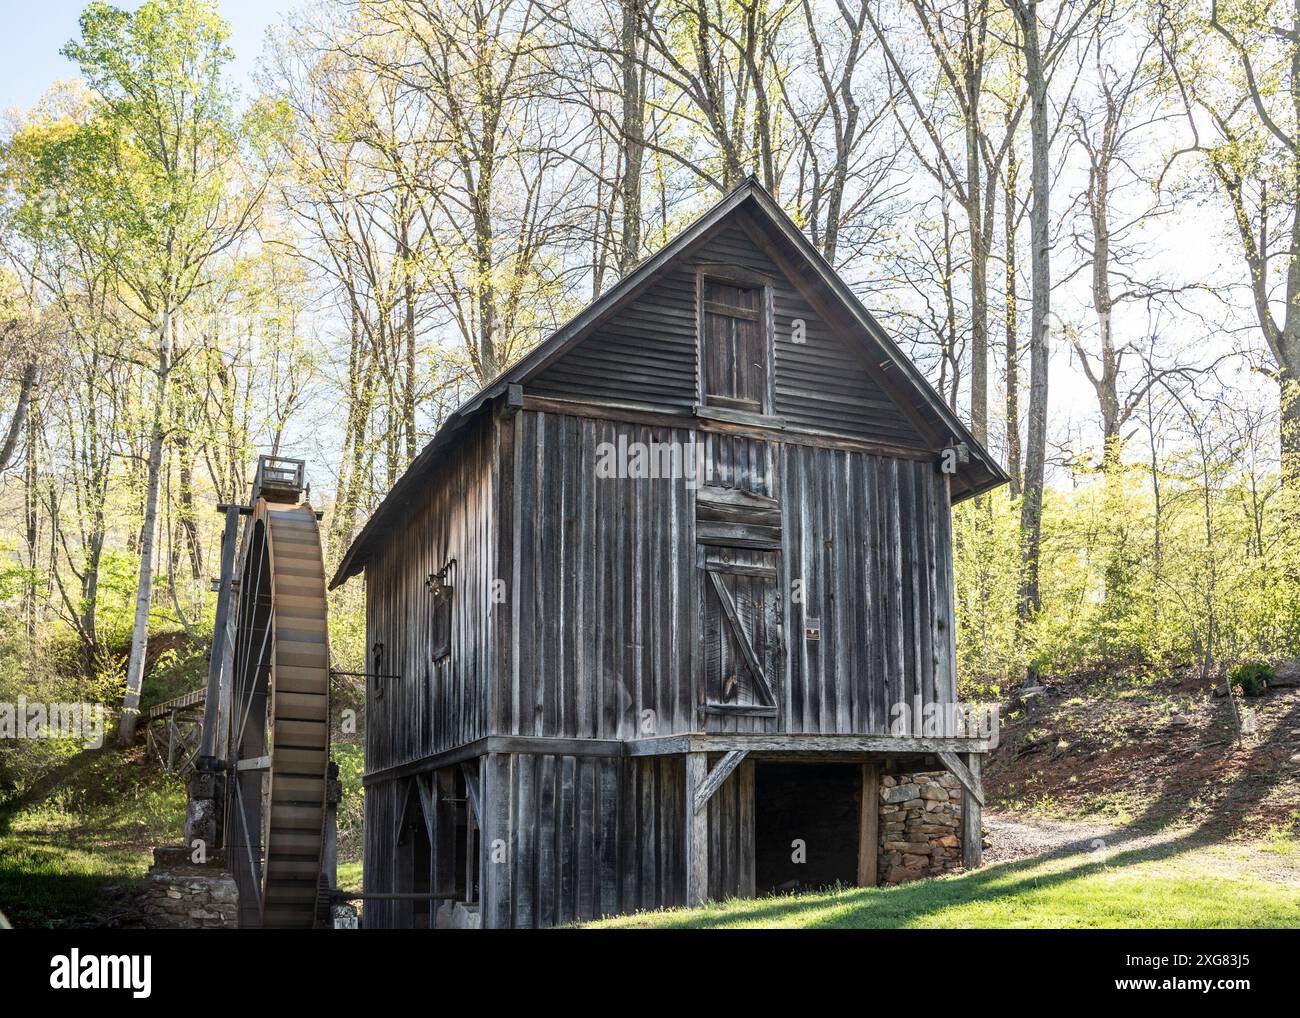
x,y
442,588
734,275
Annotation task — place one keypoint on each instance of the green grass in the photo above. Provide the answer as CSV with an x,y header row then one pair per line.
x,y
1171,883
97,827
349,874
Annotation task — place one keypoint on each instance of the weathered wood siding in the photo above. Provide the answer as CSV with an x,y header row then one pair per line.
x,y
586,837
434,706
603,588
605,618
646,354
384,802
869,537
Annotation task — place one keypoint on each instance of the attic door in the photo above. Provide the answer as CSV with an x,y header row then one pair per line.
x,y
739,538
735,356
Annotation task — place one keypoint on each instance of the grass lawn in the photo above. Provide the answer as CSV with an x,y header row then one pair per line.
x,y
98,827
1168,880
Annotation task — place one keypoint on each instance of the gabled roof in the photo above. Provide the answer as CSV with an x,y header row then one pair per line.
x,y
751,202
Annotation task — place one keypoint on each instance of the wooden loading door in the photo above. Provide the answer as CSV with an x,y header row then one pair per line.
x,y
741,606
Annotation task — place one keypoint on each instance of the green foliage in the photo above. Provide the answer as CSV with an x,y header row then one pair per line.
x,y
1252,677
1208,577
97,826
352,813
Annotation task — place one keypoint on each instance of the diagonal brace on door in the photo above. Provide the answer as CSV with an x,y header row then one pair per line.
x,y
742,638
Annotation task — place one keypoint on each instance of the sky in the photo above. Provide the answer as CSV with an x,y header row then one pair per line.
x,y
35,31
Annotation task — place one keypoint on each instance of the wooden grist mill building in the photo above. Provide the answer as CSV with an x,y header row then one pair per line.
x,y
644,612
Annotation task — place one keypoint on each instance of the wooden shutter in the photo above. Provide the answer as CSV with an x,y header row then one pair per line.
x,y
740,611
738,533
733,345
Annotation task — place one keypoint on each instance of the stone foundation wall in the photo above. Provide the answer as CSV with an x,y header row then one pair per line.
x,y
920,826
178,896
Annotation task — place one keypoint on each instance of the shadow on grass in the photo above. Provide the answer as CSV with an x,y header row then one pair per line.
x,y
49,880
896,906
41,789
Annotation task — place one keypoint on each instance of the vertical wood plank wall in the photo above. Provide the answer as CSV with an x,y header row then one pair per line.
x,y
591,836
434,705
605,590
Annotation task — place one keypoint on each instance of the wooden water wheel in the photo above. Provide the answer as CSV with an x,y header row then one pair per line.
x,y
277,734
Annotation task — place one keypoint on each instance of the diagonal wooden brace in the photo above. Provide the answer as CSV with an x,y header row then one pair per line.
x,y
720,772
962,773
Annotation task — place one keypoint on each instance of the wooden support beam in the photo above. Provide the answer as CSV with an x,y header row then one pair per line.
x,y
970,782
470,770
972,826
423,785
721,771
253,763
697,831
869,826
172,736
721,742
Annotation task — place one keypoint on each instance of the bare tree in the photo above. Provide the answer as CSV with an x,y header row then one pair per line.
x,y
1040,56
964,47
1246,129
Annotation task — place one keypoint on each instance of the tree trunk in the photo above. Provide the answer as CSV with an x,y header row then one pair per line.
x,y
25,388
1031,512
189,525
1013,329
979,331
144,593
633,136
32,502
409,383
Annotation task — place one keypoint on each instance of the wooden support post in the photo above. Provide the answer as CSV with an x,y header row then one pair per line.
x,y
869,826
972,827
697,831
172,735
443,792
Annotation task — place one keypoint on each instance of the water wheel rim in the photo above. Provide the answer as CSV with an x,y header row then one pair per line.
x,y
279,739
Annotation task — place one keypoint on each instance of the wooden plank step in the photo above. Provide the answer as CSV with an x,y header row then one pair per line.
x,y
294,606
299,585
304,569
291,869
308,818
295,841
296,654
301,707
291,760
302,631
300,678
282,892
303,734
